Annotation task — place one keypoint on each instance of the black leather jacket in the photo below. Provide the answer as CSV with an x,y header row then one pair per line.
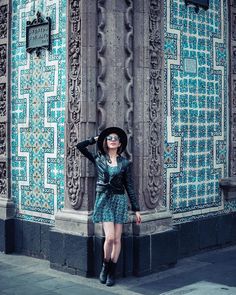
x,y
120,183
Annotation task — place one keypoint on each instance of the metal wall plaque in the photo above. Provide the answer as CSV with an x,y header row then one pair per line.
x,y
38,34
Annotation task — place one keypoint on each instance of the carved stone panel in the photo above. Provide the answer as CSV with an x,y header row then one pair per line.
x,y
3,173
102,66
3,55
3,21
128,71
2,139
233,24
2,99
232,87
153,195
74,189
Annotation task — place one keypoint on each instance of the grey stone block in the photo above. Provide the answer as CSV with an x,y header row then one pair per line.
x,y
188,236
224,233
142,255
208,233
7,235
164,249
71,253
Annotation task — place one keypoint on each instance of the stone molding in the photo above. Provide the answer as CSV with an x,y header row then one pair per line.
x,y
7,208
3,22
128,72
102,65
74,185
4,99
232,87
154,186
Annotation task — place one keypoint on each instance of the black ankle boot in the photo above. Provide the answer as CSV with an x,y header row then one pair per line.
x,y
111,274
104,272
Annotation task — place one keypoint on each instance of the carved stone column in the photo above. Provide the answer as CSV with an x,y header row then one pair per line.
x,y
228,184
115,64
80,116
232,86
115,68
148,116
73,233
7,211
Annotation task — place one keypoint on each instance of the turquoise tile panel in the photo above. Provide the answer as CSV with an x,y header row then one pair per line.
x,y
196,100
38,115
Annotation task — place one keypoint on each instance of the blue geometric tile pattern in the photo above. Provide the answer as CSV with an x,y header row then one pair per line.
x,y
196,102
38,112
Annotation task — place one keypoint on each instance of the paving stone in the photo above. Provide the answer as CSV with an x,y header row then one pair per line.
x,y
211,273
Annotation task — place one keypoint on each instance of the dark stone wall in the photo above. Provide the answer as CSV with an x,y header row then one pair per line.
x,y
208,233
32,239
140,255
7,235
72,253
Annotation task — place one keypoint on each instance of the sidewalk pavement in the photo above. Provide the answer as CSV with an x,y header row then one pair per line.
x,y
210,273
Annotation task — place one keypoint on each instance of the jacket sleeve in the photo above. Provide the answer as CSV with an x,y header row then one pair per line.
x,y
82,147
129,186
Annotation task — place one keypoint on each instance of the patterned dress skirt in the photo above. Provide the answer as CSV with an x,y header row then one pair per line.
x,y
111,208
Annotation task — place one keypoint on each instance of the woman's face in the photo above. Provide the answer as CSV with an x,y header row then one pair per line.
x,y
113,141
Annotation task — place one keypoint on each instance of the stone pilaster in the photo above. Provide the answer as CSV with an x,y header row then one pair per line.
x,y
7,210
148,116
73,225
232,86
80,116
115,76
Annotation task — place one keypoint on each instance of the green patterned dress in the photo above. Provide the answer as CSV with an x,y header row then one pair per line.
x,y
111,208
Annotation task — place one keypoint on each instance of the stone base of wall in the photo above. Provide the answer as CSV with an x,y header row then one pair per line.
x,y
32,239
7,235
208,233
140,255
71,253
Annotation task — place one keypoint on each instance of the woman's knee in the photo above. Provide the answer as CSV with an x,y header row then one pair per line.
x,y
117,240
110,239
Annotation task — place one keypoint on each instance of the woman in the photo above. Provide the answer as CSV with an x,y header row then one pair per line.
x,y
111,205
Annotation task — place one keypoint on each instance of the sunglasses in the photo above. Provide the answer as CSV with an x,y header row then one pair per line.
x,y
113,138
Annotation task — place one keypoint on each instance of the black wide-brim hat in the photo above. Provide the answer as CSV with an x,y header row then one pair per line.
x,y
120,132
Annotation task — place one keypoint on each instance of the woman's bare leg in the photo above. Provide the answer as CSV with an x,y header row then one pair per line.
x,y
117,242
109,231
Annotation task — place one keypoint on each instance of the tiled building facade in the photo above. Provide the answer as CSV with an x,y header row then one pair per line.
x,y
196,107
161,70
38,114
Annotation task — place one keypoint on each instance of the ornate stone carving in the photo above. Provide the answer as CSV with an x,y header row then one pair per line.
x,y
234,26
73,181
102,66
3,21
3,139
129,75
233,131
3,173
233,60
232,85
2,99
3,56
154,187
